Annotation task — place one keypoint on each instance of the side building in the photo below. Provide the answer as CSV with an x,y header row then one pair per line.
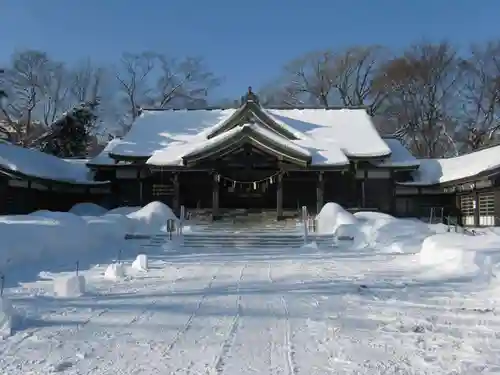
x,y
31,180
466,186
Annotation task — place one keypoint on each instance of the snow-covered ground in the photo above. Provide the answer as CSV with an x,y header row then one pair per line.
x,y
403,300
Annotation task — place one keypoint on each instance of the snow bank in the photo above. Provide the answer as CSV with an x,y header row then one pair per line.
x,y
87,209
123,210
152,218
384,232
456,253
69,286
7,316
331,216
46,234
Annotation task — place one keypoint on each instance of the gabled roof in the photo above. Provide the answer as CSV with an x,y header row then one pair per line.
x,y
252,112
255,134
331,136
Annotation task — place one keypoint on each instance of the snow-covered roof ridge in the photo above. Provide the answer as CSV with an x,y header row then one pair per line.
x,y
330,135
439,171
33,163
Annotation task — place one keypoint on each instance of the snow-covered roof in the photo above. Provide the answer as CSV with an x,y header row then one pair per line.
x,y
352,129
33,163
400,156
155,130
438,171
330,136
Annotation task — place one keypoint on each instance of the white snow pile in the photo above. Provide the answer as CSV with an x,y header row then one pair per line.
x,y
331,217
44,234
384,232
88,209
140,263
456,253
69,286
7,318
115,271
152,218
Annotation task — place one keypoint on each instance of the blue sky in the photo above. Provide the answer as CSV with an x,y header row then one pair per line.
x,y
247,42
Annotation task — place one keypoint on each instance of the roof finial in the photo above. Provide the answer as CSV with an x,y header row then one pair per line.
x,y
250,96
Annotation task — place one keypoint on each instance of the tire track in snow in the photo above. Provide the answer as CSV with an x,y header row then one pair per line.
x,y
218,366
191,317
134,363
290,352
287,340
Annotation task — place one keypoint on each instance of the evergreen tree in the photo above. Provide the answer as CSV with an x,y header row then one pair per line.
x,y
70,136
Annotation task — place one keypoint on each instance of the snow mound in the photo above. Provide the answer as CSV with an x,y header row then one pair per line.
x,y
152,218
7,316
115,271
140,263
331,216
87,209
123,210
66,234
386,233
69,286
456,253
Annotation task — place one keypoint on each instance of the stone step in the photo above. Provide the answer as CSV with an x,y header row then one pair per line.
x,y
242,237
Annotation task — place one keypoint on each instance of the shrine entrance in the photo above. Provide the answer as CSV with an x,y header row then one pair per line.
x,y
255,189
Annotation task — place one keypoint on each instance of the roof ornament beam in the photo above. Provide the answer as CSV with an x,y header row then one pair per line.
x,y
249,97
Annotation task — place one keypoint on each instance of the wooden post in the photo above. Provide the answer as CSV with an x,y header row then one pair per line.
x,y
182,217
215,197
305,223
279,198
176,202
477,219
320,192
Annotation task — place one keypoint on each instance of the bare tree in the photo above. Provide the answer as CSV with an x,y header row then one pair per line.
x,y
54,92
133,80
331,78
86,82
26,80
480,118
311,79
421,90
184,83
355,70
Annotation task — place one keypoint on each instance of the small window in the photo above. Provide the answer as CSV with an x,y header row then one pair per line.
x,y
467,204
486,204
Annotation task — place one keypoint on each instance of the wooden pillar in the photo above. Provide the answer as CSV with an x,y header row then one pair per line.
x,y
215,196
176,200
363,194
477,220
320,192
279,198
